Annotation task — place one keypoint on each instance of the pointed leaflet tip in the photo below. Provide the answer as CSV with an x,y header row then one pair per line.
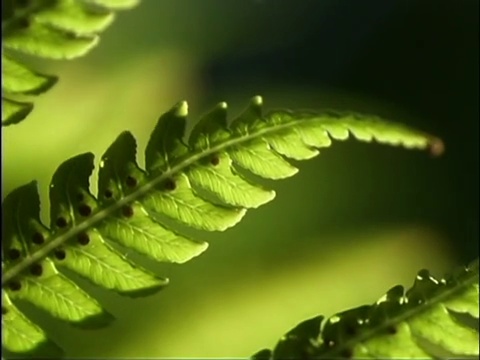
x,y
181,109
211,128
250,115
255,107
257,100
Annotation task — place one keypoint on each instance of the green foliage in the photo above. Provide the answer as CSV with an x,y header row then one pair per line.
x,y
207,183
52,29
204,183
433,319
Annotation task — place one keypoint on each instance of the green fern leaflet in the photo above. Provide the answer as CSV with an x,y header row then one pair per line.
x,y
202,184
434,319
51,29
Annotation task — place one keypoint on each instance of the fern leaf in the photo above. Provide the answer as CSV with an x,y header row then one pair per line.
x,y
53,29
197,184
14,111
423,322
20,334
18,79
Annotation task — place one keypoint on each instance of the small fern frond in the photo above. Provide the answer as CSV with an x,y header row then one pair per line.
x,y
201,184
433,319
52,29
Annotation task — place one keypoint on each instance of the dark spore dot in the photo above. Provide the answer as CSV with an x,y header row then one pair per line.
x,y
131,181
350,330
84,210
83,239
4,310
38,239
215,160
36,270
14,254
127,211
14,285
60,254
108,194
61,222
391,330
347,353
169,184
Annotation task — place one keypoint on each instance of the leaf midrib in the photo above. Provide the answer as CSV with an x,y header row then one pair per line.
x,y
144,189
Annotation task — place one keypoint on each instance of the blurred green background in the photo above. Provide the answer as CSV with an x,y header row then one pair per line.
x,y
355,221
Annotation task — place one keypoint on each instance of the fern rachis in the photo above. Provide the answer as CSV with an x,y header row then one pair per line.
x,y
422,323
144,187
131,202
204,184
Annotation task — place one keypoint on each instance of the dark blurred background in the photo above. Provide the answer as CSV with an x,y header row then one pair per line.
x,y
355,221
421,56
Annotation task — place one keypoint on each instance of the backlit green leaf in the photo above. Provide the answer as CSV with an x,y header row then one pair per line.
x,y
417,324
205,183
51,29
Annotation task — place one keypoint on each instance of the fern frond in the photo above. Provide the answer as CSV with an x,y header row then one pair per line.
x,y
424,322
53,29
200,184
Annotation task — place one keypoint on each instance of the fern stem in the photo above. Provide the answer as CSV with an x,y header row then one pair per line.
x,y
439,298
84,225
